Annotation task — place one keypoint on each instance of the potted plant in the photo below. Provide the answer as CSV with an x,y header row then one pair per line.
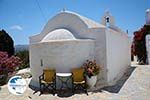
x,y
91,71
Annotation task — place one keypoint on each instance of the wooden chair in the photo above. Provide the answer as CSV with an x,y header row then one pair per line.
x,y
48,80
79,80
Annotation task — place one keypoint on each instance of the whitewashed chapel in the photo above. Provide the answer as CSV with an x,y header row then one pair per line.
x,y
69,39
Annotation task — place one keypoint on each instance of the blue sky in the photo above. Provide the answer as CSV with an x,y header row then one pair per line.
x,y
23,18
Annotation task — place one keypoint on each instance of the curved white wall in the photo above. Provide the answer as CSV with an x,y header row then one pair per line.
x,y
72,22
58,34
61,55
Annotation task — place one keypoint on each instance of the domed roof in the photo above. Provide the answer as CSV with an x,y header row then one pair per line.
x,y
59,34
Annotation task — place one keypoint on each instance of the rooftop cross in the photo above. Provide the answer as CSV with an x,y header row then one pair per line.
x,y
64,9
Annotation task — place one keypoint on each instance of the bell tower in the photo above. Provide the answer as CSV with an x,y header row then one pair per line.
x,y
107,19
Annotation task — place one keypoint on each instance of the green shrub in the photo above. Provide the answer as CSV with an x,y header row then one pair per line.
x,y
6,43
24,56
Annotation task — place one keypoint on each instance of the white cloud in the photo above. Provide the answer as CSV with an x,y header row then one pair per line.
x,y
16,27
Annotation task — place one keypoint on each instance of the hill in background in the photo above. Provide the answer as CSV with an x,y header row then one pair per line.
x,y
21,47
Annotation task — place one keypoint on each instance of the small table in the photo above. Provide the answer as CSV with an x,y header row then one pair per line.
x,y
64,78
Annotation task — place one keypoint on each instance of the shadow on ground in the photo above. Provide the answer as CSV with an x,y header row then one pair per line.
x,y
60,93
116,88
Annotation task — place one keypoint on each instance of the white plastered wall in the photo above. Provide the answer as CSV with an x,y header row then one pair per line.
x,y
61,55
81,31
113,60
98,34
118,54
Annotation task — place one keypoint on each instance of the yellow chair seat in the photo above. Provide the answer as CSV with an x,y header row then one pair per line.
x,y
82,82
45,82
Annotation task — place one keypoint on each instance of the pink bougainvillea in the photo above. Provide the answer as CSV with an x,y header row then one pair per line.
x,y
8,63
138,46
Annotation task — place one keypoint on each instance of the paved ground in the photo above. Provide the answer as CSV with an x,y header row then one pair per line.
x,y
134,85
137,87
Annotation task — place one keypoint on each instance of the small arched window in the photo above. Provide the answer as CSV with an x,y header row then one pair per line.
x,y
107,19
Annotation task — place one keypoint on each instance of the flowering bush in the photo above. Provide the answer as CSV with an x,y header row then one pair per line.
x,y
7,66
91,68
138,47
8,63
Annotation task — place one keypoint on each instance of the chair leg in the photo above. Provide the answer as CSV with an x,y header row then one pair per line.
x,y
54,89
86,92
51,88
41,90
73,88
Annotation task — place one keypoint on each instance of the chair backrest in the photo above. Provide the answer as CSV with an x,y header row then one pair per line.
x,y
78,74
49,75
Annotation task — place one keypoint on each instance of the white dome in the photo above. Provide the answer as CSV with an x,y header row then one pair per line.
x,y
59,34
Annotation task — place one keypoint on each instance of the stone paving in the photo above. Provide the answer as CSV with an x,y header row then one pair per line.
x,y
137,87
